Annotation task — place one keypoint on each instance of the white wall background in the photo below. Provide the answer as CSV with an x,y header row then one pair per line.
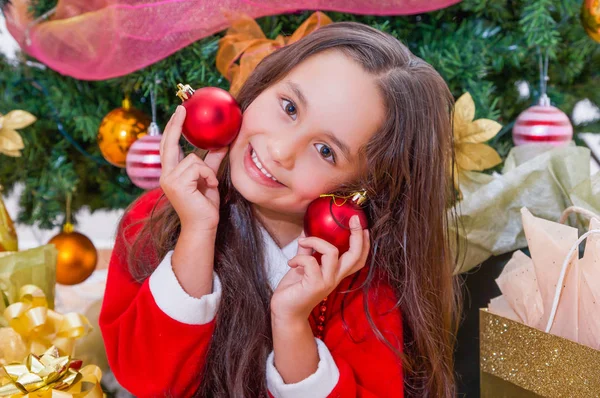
x,y
100,226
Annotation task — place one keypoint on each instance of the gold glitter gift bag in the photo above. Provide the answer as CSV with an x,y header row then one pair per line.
x,y
541,338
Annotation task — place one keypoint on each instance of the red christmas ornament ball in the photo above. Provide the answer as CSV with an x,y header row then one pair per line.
x,y
328,218
213,117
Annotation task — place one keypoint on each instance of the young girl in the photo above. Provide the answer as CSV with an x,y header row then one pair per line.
x,y
212,288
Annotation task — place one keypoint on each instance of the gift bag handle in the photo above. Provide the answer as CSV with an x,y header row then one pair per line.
x,y
565,265
576,209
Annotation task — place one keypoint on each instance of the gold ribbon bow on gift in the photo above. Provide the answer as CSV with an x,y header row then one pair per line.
x,y
50,376
246,42
41,327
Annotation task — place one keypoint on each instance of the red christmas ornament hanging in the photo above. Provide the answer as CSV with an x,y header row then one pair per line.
x,y
328,218
213,117
543,123
143,159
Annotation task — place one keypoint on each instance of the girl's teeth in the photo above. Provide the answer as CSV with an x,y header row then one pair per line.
x,y
259,165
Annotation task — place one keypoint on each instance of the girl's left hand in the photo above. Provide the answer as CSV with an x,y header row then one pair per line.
x,y
305,285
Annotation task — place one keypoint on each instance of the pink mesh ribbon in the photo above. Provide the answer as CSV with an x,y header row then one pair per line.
x,y
102,39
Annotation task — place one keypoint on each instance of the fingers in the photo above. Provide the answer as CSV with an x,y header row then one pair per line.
x,y
303,250
195,171
188,172
214,158
169,145
311,268
362,261
190,159
162,141
333,267
329,260
356,248
319,245
356,256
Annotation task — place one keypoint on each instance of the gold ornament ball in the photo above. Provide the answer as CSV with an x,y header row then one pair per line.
x,y
77,256
119,130
590,18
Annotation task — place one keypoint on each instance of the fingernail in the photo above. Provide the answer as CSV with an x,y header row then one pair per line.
x,y
178,110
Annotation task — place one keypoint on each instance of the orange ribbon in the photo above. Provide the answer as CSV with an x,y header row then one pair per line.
x,y
245,42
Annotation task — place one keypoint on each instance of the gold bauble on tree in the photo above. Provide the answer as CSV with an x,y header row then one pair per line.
x,y
77,256
590,18
119,129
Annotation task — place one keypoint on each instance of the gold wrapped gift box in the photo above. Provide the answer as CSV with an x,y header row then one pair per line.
x,y
520,361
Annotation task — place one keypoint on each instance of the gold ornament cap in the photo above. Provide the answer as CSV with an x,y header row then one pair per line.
x,y
185,92
126,103
68,228
360,197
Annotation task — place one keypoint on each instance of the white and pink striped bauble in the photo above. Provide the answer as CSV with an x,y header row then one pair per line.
x,y
143,159
543,123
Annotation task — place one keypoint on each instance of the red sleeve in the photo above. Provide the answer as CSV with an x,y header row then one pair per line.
x,y
150,353
368,367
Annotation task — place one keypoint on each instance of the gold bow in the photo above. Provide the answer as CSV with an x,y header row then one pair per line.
x,y
41,327
245,42
11,142
50,376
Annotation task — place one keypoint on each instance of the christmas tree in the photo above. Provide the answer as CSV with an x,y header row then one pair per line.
x,y
488,48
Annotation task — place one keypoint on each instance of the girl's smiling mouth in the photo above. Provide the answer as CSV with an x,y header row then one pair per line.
x,y
257,171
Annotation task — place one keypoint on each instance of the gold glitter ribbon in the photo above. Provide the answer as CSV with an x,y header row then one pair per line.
x,y
245,42
41,327
50,376
539,362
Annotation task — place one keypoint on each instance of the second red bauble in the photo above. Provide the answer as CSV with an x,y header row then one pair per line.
x,y
329,218
213,118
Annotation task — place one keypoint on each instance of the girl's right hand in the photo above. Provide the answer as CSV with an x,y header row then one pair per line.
x,y
190,185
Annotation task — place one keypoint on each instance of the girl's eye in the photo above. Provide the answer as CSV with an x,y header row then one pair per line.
x,y
290,108
326,152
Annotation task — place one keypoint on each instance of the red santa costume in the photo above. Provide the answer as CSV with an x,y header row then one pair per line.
x,y
157,336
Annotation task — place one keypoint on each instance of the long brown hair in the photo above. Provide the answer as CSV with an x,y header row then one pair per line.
x,y
408,185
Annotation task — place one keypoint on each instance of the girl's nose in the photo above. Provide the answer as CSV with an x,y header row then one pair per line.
x,y
283,151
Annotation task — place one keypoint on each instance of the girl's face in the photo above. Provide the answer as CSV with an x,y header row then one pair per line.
x,y
300,137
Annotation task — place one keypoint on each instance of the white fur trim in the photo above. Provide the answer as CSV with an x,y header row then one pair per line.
x,y
319,384
276,258
176,303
